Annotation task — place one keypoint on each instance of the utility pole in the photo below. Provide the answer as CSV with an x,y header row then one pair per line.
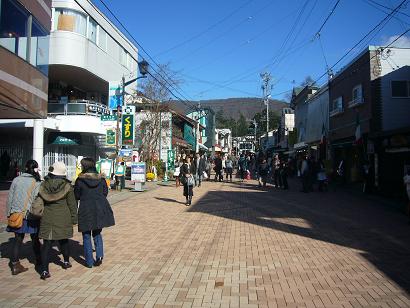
x,y
255,125
266,88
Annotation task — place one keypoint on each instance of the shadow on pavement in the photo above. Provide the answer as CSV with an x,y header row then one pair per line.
x,y
26,252
169,200
381,235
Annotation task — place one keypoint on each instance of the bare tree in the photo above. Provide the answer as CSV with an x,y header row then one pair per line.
x,y
155,90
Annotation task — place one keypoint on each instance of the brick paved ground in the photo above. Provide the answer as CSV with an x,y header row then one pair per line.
x,y
236,246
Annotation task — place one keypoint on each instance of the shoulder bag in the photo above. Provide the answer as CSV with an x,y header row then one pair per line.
x,y
37,208
15,220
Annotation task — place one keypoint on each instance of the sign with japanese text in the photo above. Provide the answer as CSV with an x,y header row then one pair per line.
x,y
110,137
109,117
170,159
127,125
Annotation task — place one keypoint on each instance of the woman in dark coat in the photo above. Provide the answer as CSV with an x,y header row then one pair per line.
x,y
94,212
59,216
187,180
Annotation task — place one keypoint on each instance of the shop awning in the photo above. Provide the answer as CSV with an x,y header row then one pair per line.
x,y
300,145
180,142
61,138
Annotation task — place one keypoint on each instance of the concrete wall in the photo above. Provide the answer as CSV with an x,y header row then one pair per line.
x,y
395,66
318,115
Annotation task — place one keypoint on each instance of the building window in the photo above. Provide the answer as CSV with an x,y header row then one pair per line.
x,y
39,47
336,106
400,88
92,30
357,93
102,39
70,20
13,28
357,96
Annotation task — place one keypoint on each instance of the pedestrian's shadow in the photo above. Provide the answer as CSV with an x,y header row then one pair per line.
x,y
169,200
55,256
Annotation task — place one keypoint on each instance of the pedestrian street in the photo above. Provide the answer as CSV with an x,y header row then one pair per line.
x,y
237,245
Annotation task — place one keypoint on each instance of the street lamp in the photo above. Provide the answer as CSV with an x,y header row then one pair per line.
x,y
143,68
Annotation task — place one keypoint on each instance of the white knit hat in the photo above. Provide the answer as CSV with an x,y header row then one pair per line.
x,y
59,168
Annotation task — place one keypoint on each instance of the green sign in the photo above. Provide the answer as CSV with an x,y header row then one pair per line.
x,y
110,137
127,125
171,159
109,117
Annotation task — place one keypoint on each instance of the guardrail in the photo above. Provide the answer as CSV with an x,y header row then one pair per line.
x,y
78,107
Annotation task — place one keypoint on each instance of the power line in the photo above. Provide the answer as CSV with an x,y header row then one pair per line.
x,y
363,38
386,7
327,18
206,30
142,48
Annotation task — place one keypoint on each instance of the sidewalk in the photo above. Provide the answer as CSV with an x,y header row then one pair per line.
x,y
114,197
237,246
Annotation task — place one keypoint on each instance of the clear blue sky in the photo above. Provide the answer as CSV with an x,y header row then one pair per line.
x,y
220,47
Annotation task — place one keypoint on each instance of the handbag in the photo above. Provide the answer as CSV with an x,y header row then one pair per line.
x,y
37,208
15,220
177,171
205,175
182,179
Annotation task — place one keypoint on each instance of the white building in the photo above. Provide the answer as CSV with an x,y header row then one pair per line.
x,y
287,125
88,57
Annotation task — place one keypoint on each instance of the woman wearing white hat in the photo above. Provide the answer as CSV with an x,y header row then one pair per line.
x,y
59,216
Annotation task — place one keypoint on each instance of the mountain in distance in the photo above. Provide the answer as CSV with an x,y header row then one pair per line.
x,y
232,107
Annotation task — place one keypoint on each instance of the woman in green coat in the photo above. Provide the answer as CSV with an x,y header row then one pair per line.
x,y
60,214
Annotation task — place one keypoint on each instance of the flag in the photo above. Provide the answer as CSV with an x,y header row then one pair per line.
x,y
358,131
323,138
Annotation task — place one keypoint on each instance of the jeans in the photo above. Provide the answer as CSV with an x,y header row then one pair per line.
x,y
88,248
198,179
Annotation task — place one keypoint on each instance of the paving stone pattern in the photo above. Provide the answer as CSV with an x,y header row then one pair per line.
x,y
236,246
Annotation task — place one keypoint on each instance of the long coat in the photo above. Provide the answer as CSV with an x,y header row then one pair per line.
x,y
60,209
94,211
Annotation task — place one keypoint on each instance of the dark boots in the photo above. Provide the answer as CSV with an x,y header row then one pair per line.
x,y
17,268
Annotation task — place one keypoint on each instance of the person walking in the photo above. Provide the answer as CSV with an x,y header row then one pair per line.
x,y
242,167
304,173
23,191
284,171
208,168
120,176
218,168
263,171
94,211
59,216
188,181
276,172
178,164
229,168
321,176
201,168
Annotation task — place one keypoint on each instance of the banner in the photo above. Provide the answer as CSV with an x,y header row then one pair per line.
x,y
127,125
115,97
138,172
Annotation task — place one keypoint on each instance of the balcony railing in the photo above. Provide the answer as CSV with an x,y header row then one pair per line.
x,y
78,107
355,102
